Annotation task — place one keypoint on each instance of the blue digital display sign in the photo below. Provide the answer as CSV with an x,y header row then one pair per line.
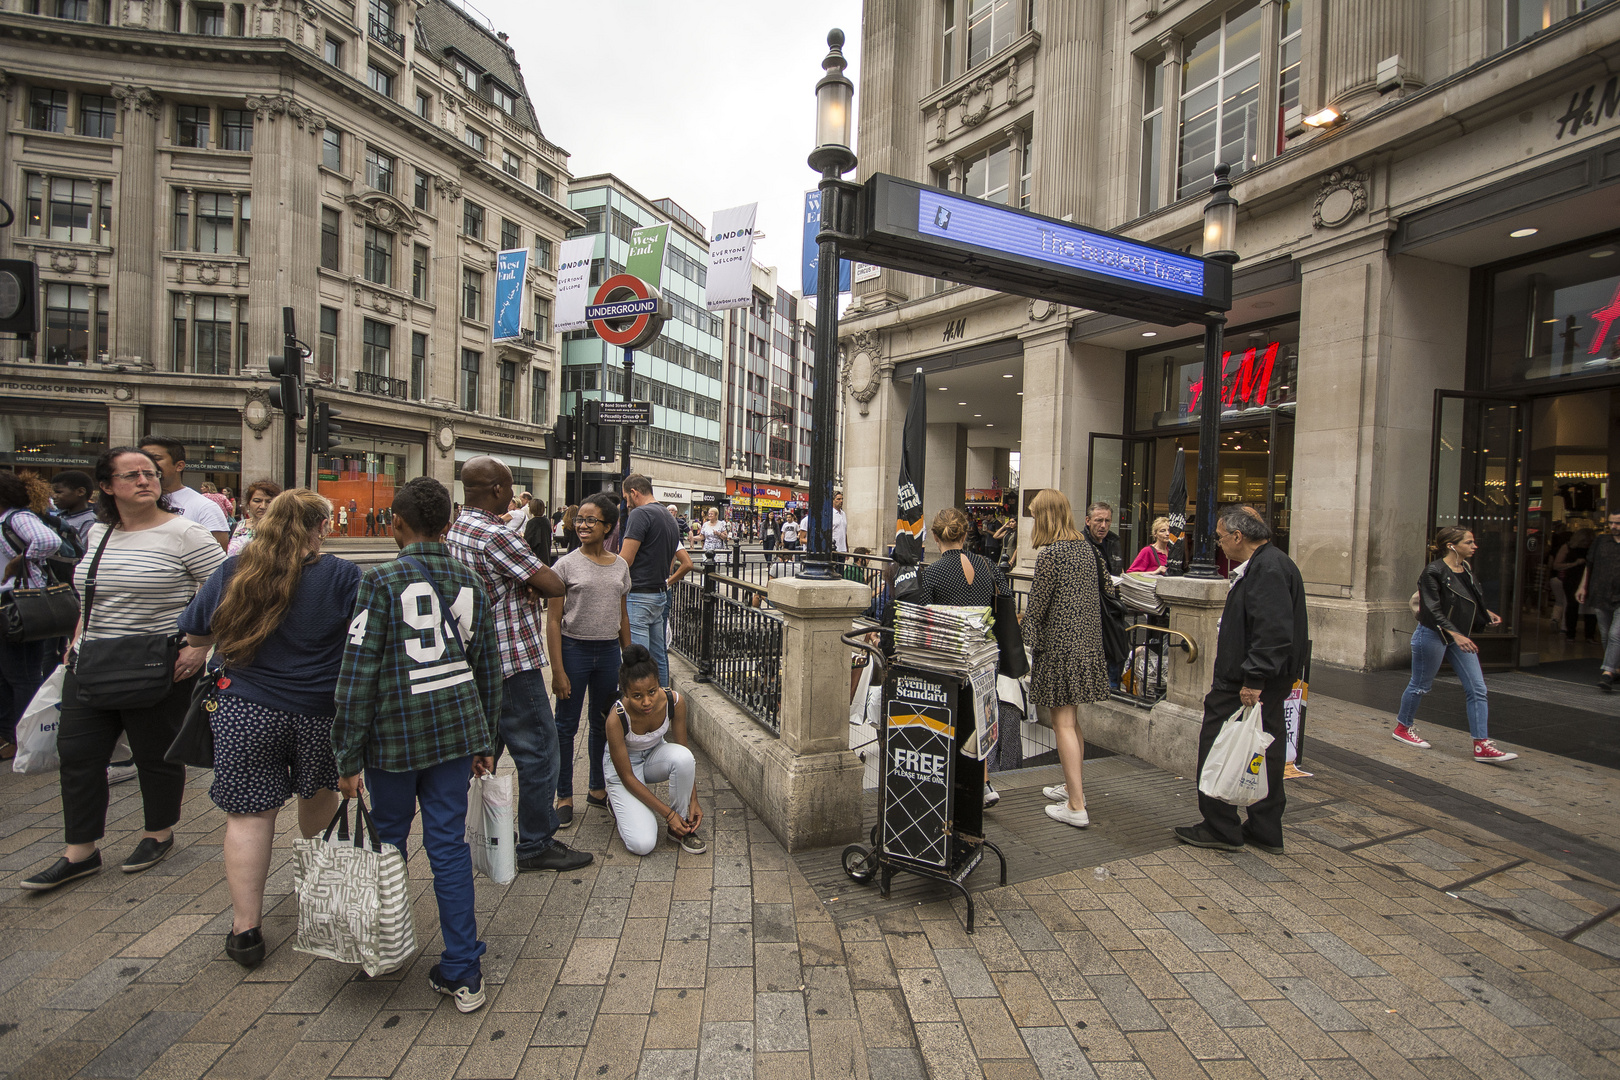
x,y
996,228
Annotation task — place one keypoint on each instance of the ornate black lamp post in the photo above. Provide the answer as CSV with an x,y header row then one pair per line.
x,y
832,157
1220,228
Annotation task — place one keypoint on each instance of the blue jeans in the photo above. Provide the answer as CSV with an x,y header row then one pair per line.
x,y
530,733
649,615
1428,650
441,791
1609,629
593,666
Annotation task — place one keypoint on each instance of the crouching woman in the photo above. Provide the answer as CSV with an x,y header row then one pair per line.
x,y
647,744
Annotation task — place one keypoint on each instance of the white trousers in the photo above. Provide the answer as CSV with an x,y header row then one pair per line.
x,y
638,825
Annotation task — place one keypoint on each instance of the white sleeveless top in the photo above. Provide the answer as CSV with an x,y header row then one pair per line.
x,y
633,741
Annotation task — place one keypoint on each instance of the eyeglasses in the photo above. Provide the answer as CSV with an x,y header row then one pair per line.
x,y
137,476
586,521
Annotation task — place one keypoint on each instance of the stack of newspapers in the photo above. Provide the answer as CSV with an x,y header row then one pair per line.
x,y
944,638
1140,592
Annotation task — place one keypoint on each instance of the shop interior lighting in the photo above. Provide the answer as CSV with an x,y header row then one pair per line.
x,y
1520,234
1150,333
1007,376
1324,118
1604,254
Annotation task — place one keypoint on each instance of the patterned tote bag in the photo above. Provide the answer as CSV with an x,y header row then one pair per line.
x,y
354,901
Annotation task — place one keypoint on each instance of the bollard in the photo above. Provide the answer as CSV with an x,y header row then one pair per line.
x,y
705,667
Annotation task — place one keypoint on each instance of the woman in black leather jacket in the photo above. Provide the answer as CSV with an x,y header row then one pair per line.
x,y
1450,607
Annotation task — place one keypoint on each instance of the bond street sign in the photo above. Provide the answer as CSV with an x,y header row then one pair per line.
x,y
909,226
625,413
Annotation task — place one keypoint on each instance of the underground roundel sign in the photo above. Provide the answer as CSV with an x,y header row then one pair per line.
x,y
626,312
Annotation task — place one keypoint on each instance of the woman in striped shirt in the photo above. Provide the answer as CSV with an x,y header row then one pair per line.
x,y
151,562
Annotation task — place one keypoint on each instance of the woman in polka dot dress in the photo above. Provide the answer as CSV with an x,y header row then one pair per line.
x,y
276,615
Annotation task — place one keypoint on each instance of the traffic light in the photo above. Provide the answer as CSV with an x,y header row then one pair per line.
x,y
19,289
288,368
562,436
607,448
326,435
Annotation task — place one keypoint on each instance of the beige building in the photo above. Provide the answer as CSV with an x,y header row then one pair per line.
x,y
181,171
1426,328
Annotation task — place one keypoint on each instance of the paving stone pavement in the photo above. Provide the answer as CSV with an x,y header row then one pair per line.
x,y
1392,940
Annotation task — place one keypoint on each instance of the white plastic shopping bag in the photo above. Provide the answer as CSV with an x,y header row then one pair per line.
x,y
491,828
36,731
354,903
1235,771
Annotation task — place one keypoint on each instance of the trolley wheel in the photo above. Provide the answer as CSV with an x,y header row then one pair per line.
x,y
859,863
874,837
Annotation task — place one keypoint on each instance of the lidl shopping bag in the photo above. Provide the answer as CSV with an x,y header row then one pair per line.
x,y
36,731
491,830
354,902
1235,771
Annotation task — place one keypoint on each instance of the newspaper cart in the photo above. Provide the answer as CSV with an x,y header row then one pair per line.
x,y
930,795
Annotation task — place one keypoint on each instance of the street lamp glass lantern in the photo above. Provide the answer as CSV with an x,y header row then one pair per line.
x,y
1220,218
835,96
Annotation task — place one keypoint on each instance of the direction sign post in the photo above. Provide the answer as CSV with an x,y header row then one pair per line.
x,y
627,312
626,413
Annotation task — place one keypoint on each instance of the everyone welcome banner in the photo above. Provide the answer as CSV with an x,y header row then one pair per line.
x,y
731,258
573,279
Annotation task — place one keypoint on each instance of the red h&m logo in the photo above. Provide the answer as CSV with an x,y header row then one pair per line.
x,y
1605,318
1248,385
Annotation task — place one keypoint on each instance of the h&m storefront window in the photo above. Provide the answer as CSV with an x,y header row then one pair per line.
x,y
1165,396
360,477
213,442
1528,457
49,439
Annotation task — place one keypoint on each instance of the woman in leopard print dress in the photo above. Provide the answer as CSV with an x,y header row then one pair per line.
x,y
1063,625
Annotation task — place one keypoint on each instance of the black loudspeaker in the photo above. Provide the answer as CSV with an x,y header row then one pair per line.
x,y
19,297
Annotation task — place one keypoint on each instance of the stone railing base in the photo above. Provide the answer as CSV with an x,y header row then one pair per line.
x,y
1165,736
806,800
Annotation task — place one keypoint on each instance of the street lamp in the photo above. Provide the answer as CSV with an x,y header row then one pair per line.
x,y
832,157
1220,235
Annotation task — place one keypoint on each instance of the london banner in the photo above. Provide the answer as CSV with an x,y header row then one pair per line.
x,y
731,258
511,270
573,281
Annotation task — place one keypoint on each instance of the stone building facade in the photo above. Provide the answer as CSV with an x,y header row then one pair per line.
x,y
181,171
1424,330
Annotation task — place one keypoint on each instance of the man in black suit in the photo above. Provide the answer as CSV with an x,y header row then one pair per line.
x,y
1259,654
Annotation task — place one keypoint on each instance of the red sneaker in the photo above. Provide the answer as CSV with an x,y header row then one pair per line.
x,y
1485,750
1405,734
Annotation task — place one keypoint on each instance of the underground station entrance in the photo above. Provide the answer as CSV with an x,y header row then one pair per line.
x,y
938,723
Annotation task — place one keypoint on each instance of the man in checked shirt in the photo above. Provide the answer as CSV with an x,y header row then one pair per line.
x,y
515,579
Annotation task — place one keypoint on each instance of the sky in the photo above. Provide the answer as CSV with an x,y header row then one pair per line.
x,y
707,102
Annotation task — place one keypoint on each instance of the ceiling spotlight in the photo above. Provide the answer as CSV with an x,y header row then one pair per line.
x,y
961,403
977,415
944,388
1020,393
1604,254
1324,118
1150,333
989,425
1007,376
1520,234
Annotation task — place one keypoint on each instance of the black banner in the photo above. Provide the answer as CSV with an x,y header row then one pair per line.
x,y
920,754
908,533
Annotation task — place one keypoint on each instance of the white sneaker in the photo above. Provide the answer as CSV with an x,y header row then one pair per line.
x,y
117,774
1057,792
991,795
1061,812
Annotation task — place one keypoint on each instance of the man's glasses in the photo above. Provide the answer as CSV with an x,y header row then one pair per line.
x,y
136,477
586,521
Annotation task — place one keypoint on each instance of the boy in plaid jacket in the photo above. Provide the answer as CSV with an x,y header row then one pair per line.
x,y
418,700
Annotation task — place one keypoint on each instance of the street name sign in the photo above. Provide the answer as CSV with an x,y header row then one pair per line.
x,y
625,413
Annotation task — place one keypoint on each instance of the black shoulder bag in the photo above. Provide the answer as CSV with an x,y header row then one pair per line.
x,y
1116,640
194,744
132,672
1014,661
43,614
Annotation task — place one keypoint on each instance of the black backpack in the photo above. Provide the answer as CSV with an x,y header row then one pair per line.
x,y
70,549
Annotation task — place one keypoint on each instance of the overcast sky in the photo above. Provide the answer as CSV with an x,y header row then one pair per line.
x,y
708,102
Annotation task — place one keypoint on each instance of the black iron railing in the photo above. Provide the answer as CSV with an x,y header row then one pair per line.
x,y
720,623
367,383
1142,679
384,35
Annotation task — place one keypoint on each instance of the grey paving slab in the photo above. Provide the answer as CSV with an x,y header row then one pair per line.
x,y
604,917
1027,930
780,1023
1056,1054
1339,953
1317,1004
142,1044
732,903
668,1065
21,964
726,1051
1498,1001
688,920
1219,1000
774,922
1126,1003
895,1063
965,973
568,1016
103,982
731,945
1192,933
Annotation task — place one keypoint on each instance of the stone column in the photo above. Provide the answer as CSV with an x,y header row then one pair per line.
x,y
1070,110
1195,611
872,432
981,466
895,57
1360,33
946,452
136,297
